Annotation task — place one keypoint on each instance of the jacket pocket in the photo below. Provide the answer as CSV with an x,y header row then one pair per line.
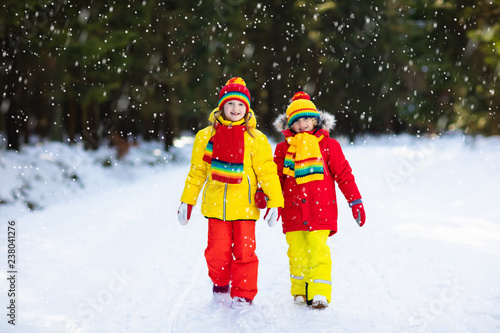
x,y
291,210
214,193
324,208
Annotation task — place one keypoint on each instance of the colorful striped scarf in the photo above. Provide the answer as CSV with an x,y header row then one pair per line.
x,y
225,152
303,160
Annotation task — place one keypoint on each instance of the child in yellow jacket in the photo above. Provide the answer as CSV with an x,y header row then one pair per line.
x,y
230,159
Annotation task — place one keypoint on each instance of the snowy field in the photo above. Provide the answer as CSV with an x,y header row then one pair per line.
x,y
103,251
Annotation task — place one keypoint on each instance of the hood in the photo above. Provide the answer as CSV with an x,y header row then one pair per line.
x,y
326,122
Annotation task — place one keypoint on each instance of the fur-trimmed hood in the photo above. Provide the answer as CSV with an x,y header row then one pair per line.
x,y
326,121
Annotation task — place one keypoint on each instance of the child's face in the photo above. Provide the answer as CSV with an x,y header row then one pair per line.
x,y
304,125
234,110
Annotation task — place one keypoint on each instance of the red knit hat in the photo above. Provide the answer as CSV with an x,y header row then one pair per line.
x,y
235,88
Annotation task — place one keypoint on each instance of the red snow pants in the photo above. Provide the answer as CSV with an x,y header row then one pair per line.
x,y
231,257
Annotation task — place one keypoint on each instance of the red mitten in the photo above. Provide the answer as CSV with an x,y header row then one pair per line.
x,y
358,212
184,213
260,199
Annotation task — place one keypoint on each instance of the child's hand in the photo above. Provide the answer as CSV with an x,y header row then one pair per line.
x,y
260,199
184,213
358,212
272,216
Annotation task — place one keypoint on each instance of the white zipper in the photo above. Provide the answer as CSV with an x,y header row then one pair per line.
x,y
249,190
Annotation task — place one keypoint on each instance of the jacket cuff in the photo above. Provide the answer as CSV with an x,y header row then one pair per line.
x,y
355,202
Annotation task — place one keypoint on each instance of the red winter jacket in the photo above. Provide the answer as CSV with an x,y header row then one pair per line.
x,y
313,205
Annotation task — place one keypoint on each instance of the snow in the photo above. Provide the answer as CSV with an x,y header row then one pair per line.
x,y
103,251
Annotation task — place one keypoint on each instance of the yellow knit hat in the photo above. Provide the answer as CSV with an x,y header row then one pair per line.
x,y
301,107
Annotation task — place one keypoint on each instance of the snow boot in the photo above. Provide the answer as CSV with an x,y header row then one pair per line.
x,y
319,302
299,299
241,302
221,294
220,289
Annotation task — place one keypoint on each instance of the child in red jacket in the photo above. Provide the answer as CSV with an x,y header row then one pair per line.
x,y
309,163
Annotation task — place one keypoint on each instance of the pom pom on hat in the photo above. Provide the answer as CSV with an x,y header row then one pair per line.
x,y
235,88
300,95
301,107
237,80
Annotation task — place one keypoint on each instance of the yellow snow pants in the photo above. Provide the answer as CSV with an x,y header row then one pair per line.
x,y
310,263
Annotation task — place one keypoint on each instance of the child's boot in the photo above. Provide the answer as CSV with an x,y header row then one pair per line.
x,y
299,299
319,302
221,294
241,302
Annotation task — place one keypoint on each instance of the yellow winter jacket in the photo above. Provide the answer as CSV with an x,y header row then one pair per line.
x,y
231,202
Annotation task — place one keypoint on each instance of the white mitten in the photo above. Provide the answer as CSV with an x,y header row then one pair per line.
x,y
272,216
184,213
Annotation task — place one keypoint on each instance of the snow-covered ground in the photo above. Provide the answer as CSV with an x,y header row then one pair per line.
x,y
103,251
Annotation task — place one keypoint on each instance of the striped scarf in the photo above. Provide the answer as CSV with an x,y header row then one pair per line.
x,y
303,159
225,152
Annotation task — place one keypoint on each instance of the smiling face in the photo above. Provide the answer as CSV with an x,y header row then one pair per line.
x,y
304,125
234,110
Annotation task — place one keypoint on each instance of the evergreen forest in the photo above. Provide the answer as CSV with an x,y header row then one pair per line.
x,y
87,70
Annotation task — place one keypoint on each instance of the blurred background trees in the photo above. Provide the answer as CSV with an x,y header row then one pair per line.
x,y
79,71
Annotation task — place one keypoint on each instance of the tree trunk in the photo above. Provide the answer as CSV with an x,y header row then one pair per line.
x,y
56,133
11,112
90,128
12,124
169,120
72,120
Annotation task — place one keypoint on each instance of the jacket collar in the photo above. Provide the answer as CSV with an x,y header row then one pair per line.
x,y
317,132
216,117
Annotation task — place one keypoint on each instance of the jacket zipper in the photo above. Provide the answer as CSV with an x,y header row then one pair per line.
x,y
249,190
